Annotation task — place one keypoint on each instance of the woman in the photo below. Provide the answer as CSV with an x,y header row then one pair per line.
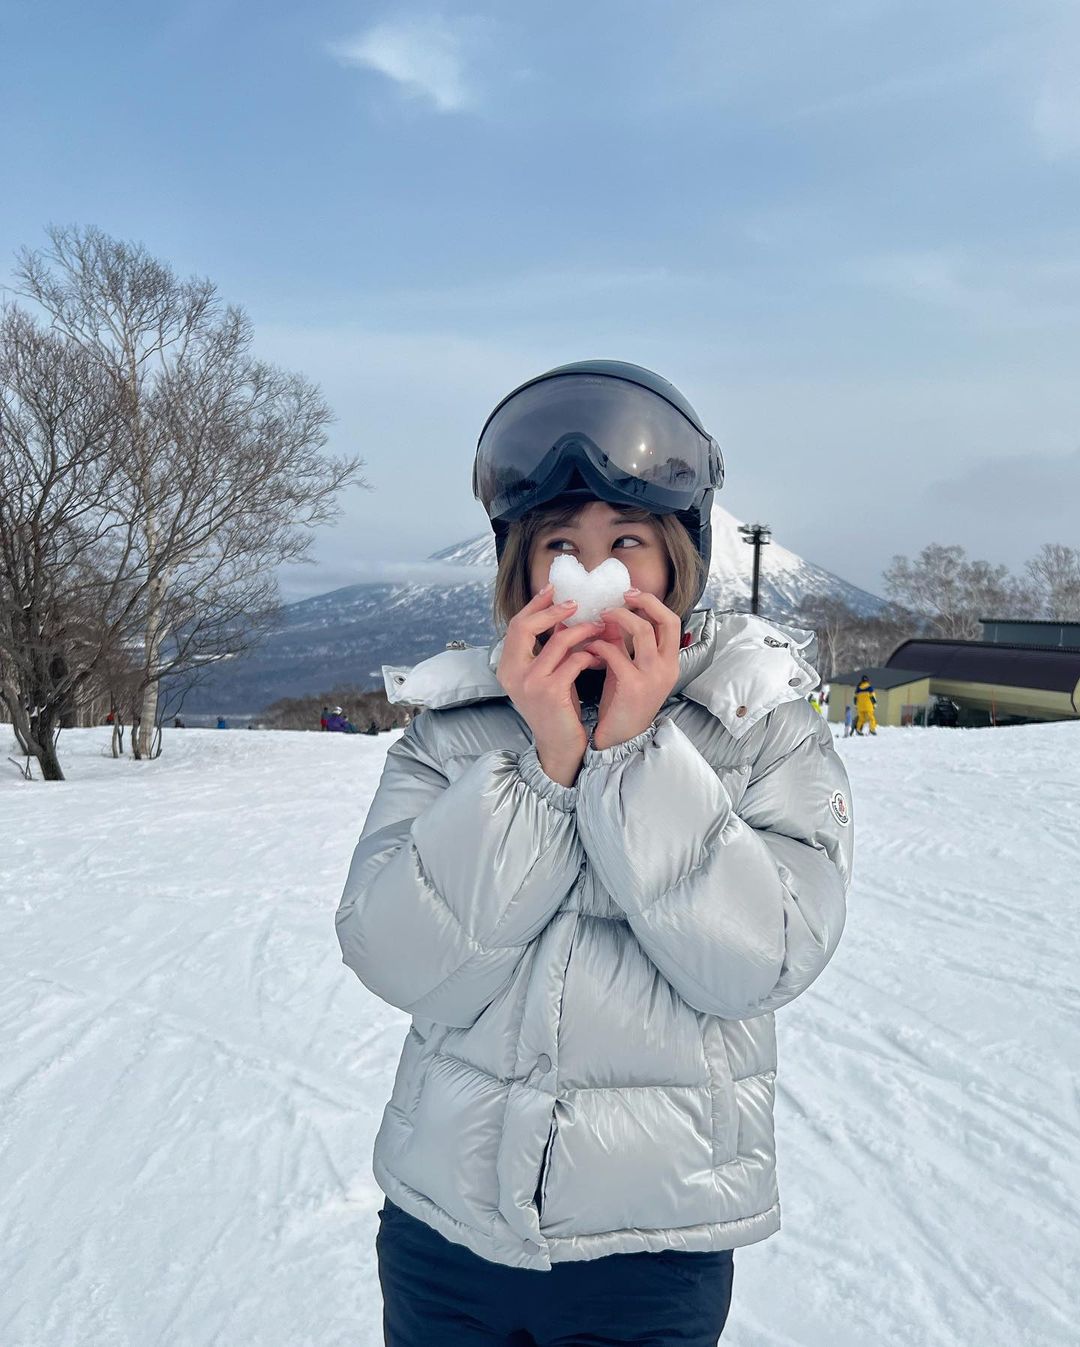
x,y
595,864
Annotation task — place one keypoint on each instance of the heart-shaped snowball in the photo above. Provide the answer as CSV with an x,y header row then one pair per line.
x,y
593,591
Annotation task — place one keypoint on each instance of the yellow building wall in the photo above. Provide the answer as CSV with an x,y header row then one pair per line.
x,y
889,702
909,694
999,699
841,695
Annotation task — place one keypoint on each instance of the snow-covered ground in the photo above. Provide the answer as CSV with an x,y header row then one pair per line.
x,y
190,1081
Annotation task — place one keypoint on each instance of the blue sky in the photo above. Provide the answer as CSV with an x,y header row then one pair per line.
x,y
848,230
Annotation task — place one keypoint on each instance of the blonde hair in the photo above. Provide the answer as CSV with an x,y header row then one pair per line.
x,y
512,590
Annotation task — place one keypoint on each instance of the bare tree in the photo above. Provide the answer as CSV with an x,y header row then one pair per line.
x,y
872,640
830,619
953,592
65,555
848,639
224,473
1055,579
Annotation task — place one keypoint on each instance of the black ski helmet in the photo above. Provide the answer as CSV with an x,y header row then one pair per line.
x,y
598,429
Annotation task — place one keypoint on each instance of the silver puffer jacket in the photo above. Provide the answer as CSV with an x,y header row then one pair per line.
x,y
591,971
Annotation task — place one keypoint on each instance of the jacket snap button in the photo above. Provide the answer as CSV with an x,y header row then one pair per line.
x,y
740,710
543,1062
793,682
530,1246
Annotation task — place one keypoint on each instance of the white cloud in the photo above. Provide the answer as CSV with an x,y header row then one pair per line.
x,y
426,57
1056,115
1055,107
418,573
337,572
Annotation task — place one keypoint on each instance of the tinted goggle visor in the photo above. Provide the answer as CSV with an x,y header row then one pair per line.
x,y
641,445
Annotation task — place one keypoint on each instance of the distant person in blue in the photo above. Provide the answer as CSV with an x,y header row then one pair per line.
x,y
222,723
338,723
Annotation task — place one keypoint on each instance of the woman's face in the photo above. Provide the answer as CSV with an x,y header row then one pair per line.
x,y
597,532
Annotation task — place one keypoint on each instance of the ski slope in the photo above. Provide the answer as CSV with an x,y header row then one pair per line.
x,y
190,1081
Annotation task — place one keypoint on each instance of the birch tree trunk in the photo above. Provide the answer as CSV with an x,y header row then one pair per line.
x,y
155,634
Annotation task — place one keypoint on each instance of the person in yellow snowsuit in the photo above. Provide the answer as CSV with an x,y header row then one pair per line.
x,y
865,701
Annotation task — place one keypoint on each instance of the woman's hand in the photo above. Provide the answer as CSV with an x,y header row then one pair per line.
x,y
541,683
637,684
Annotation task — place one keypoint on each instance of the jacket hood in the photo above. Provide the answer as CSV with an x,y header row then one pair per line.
x,y
739,667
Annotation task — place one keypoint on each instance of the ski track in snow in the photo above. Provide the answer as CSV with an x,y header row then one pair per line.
x,y
190,1081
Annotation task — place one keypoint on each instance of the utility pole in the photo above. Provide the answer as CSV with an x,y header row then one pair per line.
x,y
757,537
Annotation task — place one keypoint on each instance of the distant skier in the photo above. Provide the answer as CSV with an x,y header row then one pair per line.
x,y
815,701
849,721
865,701
324,718
338,723
222,723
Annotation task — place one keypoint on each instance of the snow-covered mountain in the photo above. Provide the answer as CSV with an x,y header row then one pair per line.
x,y
345,636
787,581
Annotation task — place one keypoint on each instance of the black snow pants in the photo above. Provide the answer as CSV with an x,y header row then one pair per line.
x,y
437,1292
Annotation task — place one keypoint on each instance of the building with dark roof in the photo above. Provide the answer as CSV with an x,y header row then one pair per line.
x,y
1007,681
1028,631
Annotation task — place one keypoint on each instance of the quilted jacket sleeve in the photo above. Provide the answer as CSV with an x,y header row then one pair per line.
x,y
740,910
450,881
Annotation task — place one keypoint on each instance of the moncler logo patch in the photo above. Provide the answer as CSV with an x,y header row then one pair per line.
x,y
838,805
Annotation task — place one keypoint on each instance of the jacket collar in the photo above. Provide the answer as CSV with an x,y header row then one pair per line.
x,y
739,667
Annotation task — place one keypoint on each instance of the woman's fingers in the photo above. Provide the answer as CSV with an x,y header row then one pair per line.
x,y
528,626
667,624
641,632
558,644
523,669
576,664
541,599
538,615
613,654
541,612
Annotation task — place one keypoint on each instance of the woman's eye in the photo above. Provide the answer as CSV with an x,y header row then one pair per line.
x,y
565,545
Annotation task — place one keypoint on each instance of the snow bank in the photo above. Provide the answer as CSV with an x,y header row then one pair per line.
x,y
190,1082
